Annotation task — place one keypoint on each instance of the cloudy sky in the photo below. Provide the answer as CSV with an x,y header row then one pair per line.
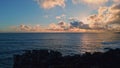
x,y
36,14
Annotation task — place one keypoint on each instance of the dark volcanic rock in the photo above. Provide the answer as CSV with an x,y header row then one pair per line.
x,y
54,59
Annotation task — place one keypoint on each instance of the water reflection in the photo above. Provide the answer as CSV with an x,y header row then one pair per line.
x,y
80,43
66,43
63,42
94,42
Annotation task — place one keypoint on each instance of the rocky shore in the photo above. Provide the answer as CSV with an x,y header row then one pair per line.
x,y
54,59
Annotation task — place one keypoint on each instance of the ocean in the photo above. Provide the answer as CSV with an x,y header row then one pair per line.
x,y
66,43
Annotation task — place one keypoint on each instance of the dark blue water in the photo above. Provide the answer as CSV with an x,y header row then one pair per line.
x,y
66,43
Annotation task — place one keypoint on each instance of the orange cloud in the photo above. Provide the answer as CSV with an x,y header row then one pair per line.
x,y
116,1
95,2
107,18
28,28
91,3
47,4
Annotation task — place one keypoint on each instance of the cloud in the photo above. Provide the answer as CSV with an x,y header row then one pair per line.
x,y
28,28
62,24
116,1
59,26
47,4
75,1
114,14
107,18
96,21
90,3
25,28
63,16
95,2
78,24
73,25
53,26
73,18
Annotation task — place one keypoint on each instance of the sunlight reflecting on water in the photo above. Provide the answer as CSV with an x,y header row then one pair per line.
x,y
66,43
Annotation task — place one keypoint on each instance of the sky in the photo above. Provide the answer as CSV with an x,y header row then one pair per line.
x,y
34,15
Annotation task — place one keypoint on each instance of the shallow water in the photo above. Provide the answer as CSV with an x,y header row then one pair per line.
x,y
66,43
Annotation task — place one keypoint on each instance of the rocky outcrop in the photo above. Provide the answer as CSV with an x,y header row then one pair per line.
x,y
54,59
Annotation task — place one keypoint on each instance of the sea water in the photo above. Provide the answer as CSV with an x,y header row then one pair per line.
x,y
66,43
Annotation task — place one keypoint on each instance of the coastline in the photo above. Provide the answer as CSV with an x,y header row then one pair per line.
x,y
54,59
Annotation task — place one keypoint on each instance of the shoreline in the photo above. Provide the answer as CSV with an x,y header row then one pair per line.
x,y
54,59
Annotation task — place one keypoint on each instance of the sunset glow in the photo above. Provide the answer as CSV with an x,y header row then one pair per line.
x,y
59,33
59,15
